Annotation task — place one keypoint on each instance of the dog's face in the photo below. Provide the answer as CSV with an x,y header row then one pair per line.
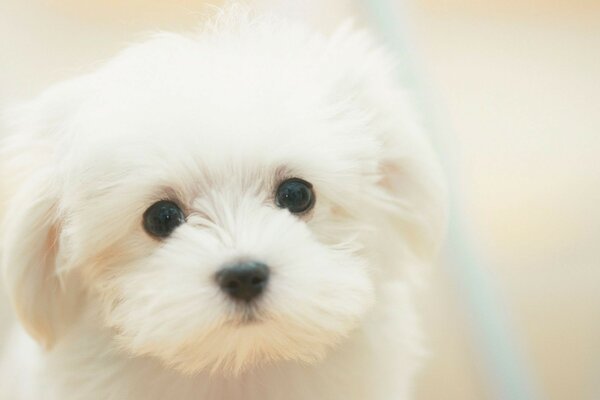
x,y
222,231
216,202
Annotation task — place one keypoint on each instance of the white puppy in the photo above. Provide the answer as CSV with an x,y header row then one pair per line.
x,y
223,216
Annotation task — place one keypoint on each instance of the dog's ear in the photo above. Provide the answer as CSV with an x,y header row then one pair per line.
x,y
29,255
30,222
411,178
415,190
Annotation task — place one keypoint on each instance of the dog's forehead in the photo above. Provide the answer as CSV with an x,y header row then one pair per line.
x,y
222,107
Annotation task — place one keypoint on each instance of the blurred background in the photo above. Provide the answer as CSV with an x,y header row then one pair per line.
x,y
512,92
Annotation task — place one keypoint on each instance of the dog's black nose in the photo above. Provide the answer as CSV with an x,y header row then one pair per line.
x,y
244,280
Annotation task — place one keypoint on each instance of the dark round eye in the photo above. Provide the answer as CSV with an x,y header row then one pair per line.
x,y
161,218
296,195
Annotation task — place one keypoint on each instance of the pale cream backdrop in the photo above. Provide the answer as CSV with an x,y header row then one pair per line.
x,y
517,84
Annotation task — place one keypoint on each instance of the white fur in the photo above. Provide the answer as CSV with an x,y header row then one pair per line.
x,y
216,120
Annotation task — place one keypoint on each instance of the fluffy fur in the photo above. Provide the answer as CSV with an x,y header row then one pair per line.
x,y
214,121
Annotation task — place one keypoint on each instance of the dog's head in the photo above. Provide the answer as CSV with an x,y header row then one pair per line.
x,y
219,201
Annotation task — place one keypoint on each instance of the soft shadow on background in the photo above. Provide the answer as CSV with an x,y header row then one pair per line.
x,y
517,84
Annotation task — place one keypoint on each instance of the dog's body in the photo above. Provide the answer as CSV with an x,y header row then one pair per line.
x,y
214,126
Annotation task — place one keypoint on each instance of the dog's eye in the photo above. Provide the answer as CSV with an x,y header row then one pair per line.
x,y
296,195
161,218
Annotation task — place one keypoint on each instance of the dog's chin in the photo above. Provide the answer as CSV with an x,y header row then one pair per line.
x,y
251,340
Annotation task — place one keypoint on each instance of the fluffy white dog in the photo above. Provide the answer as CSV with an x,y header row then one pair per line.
x,y
222,216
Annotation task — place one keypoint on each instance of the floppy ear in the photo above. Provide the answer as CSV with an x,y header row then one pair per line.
x,y
30,250
416,191
29,218
411,176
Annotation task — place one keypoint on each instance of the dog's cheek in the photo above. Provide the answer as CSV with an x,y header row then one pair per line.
x,y
163,301
326,294
159,307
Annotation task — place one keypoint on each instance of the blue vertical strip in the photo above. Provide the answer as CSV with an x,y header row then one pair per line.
x,y
506,370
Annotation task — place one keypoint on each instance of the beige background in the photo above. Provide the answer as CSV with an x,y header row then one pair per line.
x,y
520,84
516,84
